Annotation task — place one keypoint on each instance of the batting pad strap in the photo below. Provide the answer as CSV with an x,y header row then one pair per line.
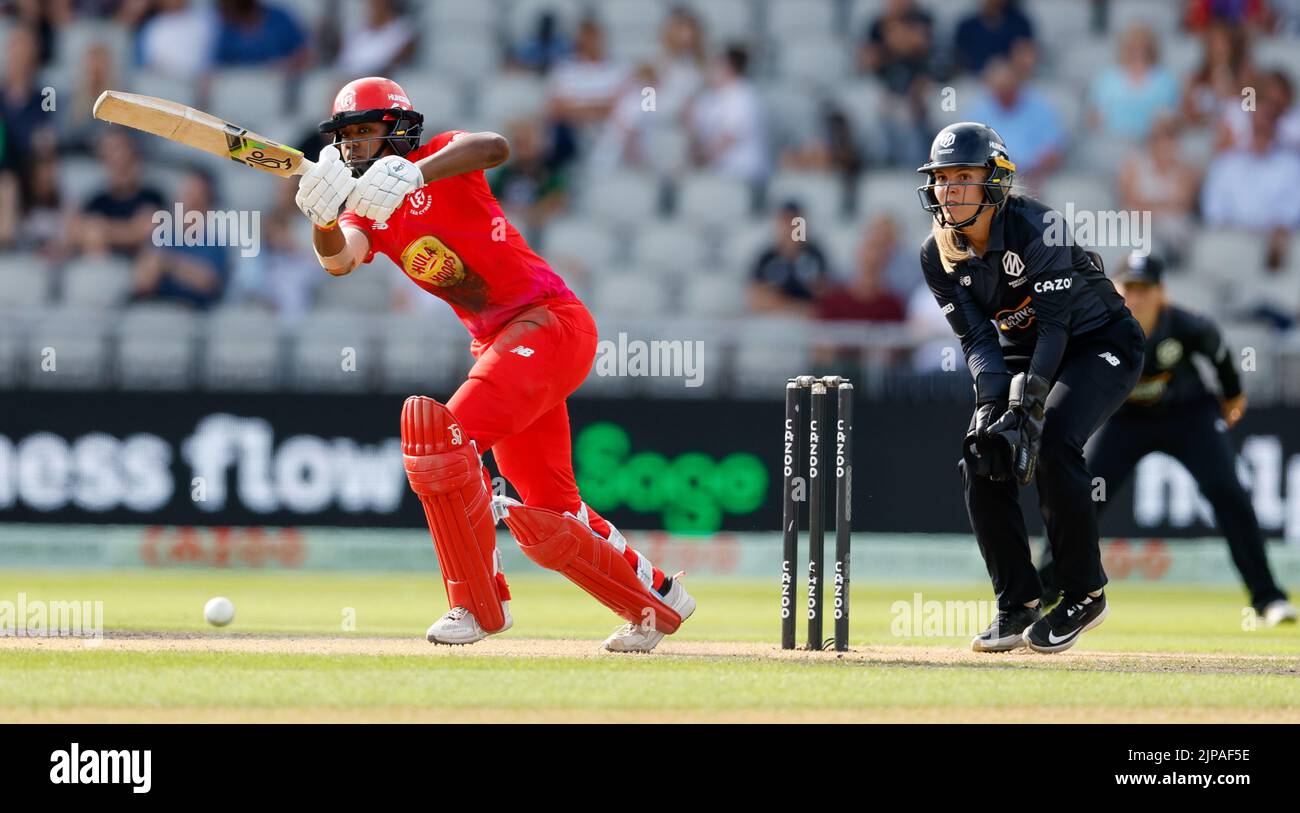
x,y
445,472
561,543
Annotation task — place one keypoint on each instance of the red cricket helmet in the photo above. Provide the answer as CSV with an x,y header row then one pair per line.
x,y
372,99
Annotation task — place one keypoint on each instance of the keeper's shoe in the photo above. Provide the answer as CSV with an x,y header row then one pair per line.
x,y
1280,611
1007,630
459,626
1061,628
644,637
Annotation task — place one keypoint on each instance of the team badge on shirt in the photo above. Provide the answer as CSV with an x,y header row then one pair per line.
x,y
419,202
1012,264
1169,352
428,259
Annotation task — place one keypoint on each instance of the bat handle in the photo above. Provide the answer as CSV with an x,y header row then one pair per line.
x,y
303,165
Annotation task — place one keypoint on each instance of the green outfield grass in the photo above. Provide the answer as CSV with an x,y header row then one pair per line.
x,y
1164,653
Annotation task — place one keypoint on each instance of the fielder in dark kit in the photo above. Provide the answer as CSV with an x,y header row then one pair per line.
x,y
1171,411
1053,351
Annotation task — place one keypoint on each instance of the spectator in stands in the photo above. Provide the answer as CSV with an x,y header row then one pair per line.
x,y
583,89
867,296
547,46
793,272
675,76
283,276
998,30
118,219
43,214
726,123
98,73
1028,121
898,47
1254,187
532,185
1156,178
1275,95
179,39
193,275
625,137
43,18
1127,97
1225,69
386,42
25,109
834,148
251,32
1252,14
22,119
680,64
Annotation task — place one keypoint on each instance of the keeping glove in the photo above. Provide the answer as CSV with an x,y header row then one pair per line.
x,y
985,456
383,187
1021,426
323,188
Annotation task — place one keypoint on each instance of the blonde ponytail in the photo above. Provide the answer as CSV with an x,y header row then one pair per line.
x,y
952,246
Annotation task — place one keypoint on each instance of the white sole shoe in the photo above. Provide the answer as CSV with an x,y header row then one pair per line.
x,y
636,638
459,627
1280,612
1061,647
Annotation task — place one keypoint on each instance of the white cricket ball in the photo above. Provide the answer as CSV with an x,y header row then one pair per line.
x,y
219,611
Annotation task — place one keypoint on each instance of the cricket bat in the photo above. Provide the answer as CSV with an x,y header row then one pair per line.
x,y
206,132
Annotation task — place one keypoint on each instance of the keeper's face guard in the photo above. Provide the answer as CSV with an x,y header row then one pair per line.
x,y
996,187
401,136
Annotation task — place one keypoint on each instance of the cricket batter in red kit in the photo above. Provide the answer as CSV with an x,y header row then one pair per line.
x,y
429,209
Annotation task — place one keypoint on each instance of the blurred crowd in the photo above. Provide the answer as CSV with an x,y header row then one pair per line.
x,y
816,111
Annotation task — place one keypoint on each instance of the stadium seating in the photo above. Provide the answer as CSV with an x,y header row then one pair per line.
x,y
67,349
713,200
156,347
656,238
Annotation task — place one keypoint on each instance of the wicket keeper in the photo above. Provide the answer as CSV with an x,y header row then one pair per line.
x,y
1053,352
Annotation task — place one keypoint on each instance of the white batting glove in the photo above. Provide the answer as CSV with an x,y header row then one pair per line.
x,y
325,187
380,191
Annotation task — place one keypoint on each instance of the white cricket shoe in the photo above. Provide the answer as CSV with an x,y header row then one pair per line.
x,y
636,638
459,626
1280,612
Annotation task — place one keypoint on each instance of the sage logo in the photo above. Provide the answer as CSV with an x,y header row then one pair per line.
x,y
691,491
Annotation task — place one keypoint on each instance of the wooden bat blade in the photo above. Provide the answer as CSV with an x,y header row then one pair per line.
x,y
203,131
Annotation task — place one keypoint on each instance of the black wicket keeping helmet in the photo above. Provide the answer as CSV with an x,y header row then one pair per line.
x,y
968,144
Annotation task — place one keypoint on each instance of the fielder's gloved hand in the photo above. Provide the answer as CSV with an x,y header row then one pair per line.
x,y
985,456
1021,426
